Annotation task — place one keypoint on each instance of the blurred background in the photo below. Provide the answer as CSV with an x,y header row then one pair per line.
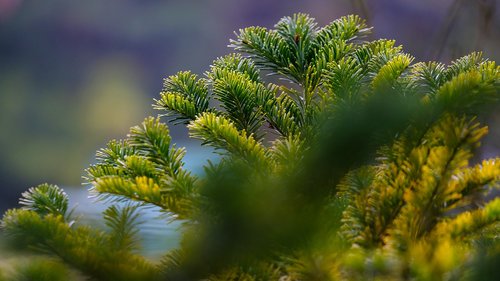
x,y
75,74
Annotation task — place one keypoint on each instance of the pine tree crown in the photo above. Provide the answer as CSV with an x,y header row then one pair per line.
x,y
354,164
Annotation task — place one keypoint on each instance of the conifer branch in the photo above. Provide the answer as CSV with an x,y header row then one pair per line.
x,y
223,134
469,223
87,250
298,167
183,97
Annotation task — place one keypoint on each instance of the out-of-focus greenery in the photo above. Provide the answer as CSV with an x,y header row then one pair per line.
x,y
356,165
42,270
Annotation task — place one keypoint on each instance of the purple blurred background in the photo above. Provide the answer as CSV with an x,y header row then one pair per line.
x,y
75,74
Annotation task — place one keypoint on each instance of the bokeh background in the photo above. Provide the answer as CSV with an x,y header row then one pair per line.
x,y
75,74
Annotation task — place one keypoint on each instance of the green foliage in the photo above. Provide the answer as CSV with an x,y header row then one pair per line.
x,y
98,254
223,134
45,199
145,168
361,167
124,226
42,270
183,96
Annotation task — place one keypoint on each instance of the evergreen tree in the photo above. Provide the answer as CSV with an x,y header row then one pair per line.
x,y
355,164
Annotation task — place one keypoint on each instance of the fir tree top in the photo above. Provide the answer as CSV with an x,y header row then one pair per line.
x,y
353,164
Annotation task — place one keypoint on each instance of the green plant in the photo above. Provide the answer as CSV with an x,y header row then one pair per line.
x,y
42,270
356,167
